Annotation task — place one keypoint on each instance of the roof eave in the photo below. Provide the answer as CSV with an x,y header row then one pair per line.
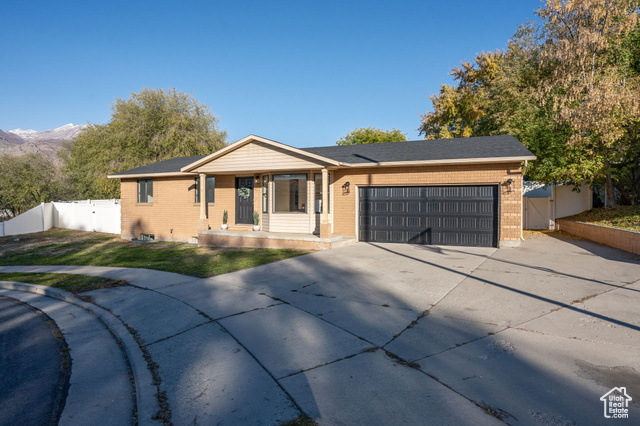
x,y
139,175
489,160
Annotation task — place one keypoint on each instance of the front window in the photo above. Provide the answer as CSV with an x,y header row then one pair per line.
x,y
145,191
290,193
318,184
211,186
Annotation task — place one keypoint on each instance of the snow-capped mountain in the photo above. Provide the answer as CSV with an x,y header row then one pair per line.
x,y
64,133
48,142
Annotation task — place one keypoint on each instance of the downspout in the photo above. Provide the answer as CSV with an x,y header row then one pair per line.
x,y
522,201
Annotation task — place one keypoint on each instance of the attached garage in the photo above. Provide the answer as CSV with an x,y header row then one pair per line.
x,y
440,215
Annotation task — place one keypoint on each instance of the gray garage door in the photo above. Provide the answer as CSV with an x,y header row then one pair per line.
x,y
441,215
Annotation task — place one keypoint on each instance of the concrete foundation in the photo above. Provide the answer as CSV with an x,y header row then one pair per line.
x,y
261,239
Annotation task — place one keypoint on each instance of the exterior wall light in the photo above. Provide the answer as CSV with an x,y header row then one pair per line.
x,y
345,188
508,183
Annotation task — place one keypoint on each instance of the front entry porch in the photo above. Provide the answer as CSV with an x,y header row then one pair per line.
x,y
277,240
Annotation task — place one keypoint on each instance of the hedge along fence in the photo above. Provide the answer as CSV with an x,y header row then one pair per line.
x,y
612,237
86,215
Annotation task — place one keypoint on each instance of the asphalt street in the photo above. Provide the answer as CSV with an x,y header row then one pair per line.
x,y
32,380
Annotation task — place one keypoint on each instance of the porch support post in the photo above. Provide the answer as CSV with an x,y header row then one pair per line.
x,y
325,226
203,196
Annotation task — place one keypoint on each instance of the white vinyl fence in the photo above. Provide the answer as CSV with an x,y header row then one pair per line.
x,y
544,204
86,215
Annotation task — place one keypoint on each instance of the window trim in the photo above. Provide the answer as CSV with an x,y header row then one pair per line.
x,y
265,194
208,180
305,192
148,195
315,191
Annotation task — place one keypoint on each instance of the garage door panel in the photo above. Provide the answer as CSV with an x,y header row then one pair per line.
x,y
433,207
450,207
398,221
433,222
433,192
451,222
485,224
468,207
398,207
446,215
381,221
414,207
381,207
414,222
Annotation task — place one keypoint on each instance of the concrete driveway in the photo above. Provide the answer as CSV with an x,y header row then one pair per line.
x,y
390,333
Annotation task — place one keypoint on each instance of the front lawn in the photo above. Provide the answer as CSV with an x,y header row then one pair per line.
x,y
67,247
69,282
621,217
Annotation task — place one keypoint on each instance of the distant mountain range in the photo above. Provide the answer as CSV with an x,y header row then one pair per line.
x,y
48,142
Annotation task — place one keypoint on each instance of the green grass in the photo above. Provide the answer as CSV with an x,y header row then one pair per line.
x,y
66,247
69,282
622,217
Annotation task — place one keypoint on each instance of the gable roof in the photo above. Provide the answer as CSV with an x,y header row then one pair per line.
x,y
253,138
482,149
462,150
169,167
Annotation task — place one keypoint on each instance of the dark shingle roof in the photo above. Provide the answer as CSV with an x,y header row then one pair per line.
x,y
485,147
440,149
172,165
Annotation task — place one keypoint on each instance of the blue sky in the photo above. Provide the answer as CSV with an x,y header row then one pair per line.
x,y
300,72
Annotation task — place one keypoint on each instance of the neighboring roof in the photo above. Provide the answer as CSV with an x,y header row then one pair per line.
x,y
166,167
440,150
533,189
482,149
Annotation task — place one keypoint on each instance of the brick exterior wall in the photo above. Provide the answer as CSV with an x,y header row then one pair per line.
x,y
612,237
509,203
174,204
174,207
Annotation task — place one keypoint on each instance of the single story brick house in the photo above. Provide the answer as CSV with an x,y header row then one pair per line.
x,y
464,191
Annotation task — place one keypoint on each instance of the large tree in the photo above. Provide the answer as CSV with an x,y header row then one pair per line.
x,y
590,85
152,125
27,181
461,111
568,89
365,135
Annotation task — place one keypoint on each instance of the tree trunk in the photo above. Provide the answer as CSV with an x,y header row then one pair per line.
x,y
612,198
635,181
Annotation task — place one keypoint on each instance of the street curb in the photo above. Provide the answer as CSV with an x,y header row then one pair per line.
x,y
146,402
